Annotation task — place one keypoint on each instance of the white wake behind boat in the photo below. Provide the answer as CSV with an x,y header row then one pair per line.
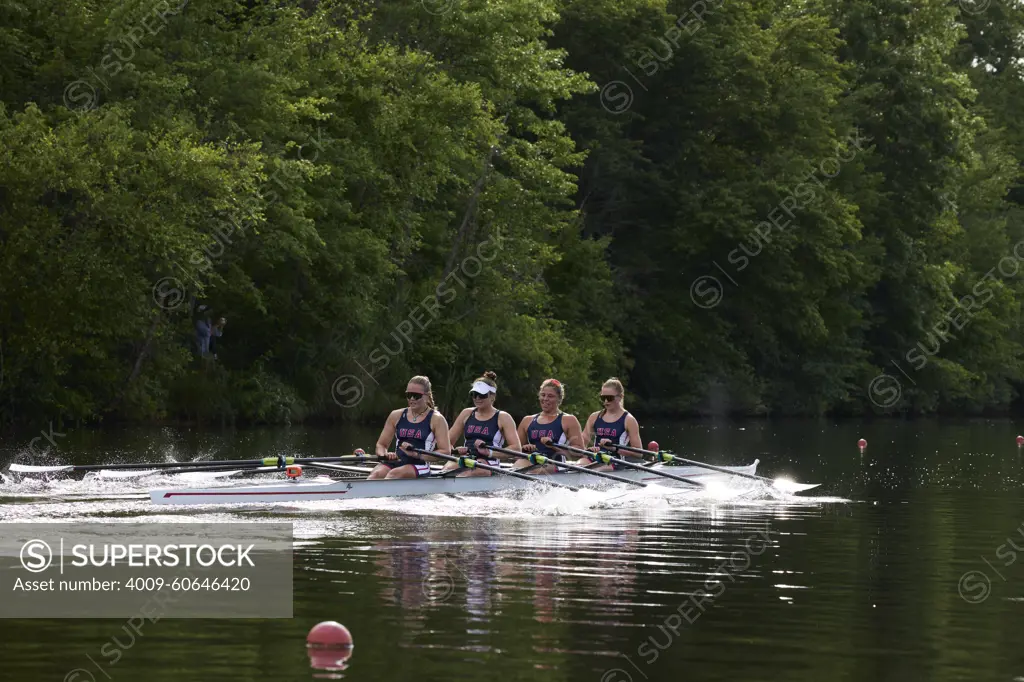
x,y
302,491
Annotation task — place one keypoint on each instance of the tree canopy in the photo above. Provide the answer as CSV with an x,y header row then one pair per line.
x,y
751,206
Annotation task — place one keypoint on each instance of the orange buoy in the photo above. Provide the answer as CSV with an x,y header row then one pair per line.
x,y
293,471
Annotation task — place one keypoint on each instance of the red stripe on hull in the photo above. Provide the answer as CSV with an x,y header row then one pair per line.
x,y
283,492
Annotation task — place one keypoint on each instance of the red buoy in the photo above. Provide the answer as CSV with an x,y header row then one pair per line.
x,y
329,645
329,635
359,452
862,444
1020,441
653,445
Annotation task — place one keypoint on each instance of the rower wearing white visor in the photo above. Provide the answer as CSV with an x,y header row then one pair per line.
x,y
483,424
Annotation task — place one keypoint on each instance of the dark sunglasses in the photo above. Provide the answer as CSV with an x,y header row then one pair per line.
x,y
474,395
413,396
608,398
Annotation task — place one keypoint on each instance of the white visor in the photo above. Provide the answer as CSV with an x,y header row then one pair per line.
x,y
481,387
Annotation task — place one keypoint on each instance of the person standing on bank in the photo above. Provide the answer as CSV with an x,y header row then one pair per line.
x,y
611,425
418,425
203,331
215,333
482,423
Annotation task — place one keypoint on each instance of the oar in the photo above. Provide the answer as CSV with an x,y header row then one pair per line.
x,y
662,456
279,461
470,463
336,467
605,458
541,459
140,473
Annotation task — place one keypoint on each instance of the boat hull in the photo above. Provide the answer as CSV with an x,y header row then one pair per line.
x,y
303,491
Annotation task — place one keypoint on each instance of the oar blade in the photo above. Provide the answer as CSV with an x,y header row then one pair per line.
x,y
30,469
198,474
120,473
791,487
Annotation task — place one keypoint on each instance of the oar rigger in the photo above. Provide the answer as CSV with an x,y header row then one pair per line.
x,y
606,458
470,463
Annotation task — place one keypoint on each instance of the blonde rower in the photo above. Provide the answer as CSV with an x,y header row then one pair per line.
x,y
611,425
482,423
418,425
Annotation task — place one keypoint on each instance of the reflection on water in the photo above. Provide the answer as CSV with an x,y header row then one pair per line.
x,y
569,574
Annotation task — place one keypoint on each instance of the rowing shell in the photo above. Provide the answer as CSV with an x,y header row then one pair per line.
x,y
295,491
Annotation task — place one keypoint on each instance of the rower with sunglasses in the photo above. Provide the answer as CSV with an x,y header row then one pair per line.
x,y
482,423
417,426
549,426
612,425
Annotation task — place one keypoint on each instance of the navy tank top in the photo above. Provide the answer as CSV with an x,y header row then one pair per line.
x,y
554,431
614,431
418,434
487,430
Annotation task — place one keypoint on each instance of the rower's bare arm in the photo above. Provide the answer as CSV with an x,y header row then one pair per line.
x,y
574,431
633,429
588,430
508,429
455,432
440,427
387,434
524,428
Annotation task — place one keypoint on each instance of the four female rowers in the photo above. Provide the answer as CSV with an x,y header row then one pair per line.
x,y
483,427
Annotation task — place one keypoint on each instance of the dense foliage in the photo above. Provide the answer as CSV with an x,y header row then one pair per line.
x,y
752,206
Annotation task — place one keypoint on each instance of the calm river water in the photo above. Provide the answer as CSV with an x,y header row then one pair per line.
x,y
898,567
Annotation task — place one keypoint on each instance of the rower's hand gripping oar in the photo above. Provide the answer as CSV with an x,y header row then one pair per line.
x,y
541,459
605,458
470,463
784,485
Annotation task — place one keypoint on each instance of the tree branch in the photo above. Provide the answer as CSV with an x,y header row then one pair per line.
x,y
137,368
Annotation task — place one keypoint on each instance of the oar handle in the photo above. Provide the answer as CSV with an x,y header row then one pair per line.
x,y
514,453
585,453
639,451
405,451
470,463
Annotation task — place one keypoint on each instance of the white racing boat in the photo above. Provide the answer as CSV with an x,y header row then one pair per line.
x,y
300,491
